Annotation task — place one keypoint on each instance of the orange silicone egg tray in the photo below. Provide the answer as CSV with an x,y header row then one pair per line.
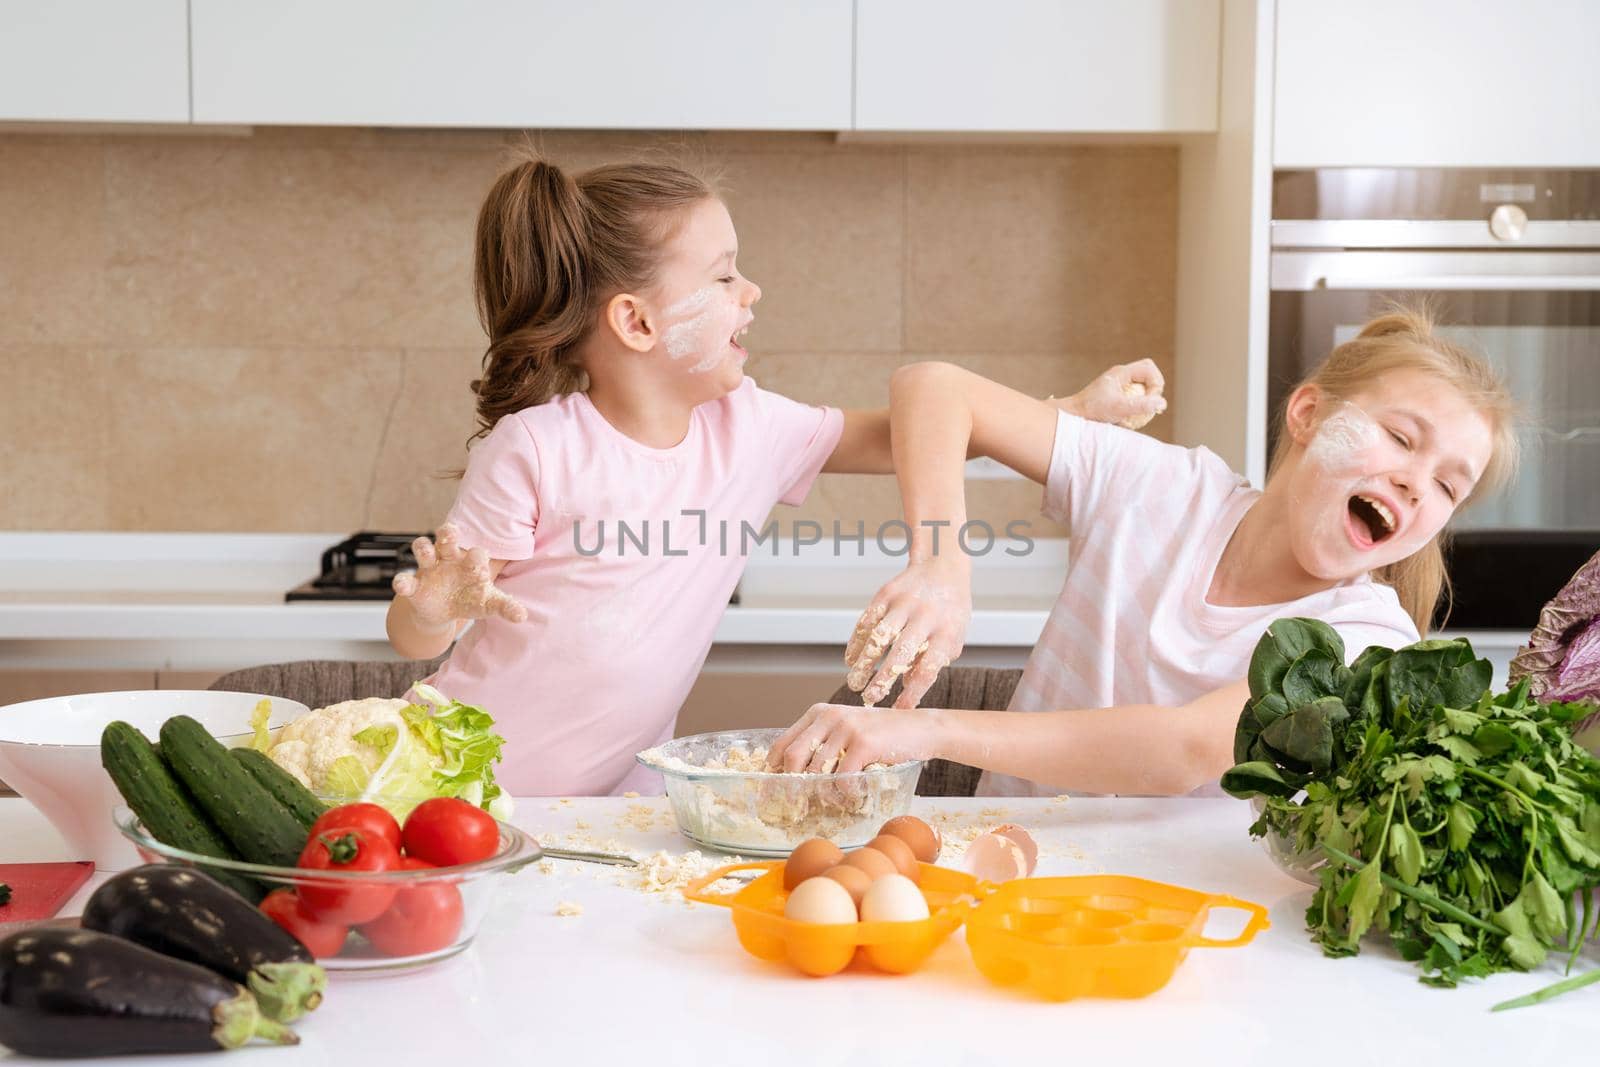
x,y
1060,938
1098,935
823,949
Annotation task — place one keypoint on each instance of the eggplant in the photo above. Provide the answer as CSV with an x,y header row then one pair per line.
x,y
66,992
188,915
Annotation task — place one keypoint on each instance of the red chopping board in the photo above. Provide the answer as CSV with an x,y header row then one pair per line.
x,y
39,889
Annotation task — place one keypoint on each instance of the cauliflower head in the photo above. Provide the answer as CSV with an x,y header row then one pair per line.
x,y
393,752
311,747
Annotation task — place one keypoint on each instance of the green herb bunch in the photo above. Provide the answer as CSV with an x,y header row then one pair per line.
x,y
1464,823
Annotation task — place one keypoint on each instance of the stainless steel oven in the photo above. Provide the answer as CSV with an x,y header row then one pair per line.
x,y
1511,262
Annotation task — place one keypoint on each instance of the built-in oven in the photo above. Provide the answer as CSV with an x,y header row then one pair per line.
x,y
1510,263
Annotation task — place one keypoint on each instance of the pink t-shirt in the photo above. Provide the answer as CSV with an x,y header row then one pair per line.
x,y
1148,522
623,589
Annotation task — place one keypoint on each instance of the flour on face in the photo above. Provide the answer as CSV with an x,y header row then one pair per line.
x,y
1342,439
688,317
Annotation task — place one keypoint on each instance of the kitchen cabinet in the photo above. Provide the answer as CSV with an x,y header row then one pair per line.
x,y
767,64
1037,65
94,60
1437,83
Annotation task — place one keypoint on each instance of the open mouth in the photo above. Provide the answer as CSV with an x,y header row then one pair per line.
x,y
1372,517
733,339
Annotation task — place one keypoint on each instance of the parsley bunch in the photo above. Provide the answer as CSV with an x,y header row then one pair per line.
x,y
1463,823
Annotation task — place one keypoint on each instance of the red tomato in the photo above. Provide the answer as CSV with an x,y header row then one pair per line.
x,y
320,938
370,819
347,900
446,831
423,918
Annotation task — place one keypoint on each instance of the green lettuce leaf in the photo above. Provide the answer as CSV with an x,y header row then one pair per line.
x,y
463,745
260,738
347,777
405,778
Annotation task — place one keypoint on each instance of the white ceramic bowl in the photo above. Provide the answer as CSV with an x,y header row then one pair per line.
x,y
50,753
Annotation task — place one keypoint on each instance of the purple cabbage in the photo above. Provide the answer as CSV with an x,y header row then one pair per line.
x,y
1562,657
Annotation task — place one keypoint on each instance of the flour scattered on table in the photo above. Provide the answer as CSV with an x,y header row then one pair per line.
x,y
642,818
667,873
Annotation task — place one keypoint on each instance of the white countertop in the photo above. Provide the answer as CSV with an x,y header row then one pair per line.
x,y
653,979
229,587
197,601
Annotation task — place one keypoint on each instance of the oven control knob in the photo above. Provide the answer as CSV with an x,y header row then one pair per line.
x,y
1508,222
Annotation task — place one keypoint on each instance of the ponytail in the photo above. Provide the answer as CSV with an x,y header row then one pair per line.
x,y
550,251
532,291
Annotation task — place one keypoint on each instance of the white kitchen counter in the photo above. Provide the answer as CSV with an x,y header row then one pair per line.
x,y
215,602
653,979
200,601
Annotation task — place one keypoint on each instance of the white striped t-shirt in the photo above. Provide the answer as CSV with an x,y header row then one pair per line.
x,y
1147,522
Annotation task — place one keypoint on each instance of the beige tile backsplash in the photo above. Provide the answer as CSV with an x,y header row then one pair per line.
x,y
274,331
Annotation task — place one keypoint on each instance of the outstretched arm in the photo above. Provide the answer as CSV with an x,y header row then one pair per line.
x,y
942,415
450,587
1144,749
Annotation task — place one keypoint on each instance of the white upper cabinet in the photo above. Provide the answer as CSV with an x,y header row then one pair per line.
x,y
708,64
1037,65
94,60
1437,83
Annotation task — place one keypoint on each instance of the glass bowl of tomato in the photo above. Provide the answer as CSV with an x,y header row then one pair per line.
x,y
365,901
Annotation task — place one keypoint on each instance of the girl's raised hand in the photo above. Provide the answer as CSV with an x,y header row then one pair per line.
x,y
1128,394
916,624
452,583
838,738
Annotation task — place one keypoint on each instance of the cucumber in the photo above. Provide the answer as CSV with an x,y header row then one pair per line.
x,y
163,805
250,817
281,784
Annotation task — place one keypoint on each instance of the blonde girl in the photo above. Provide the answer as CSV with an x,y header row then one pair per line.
x,y
1177,565
600,524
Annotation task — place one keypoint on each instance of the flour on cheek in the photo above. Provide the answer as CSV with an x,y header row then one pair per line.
x,y
1343,440
1341,448
701,326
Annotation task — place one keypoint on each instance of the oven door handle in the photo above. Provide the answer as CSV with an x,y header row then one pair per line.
x,y
1543,282
1298,271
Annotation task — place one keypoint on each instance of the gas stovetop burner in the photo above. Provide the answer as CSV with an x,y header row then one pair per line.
x,y
359,568
363,566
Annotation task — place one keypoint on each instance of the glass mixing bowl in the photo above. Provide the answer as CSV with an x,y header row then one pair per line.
x,y
721,802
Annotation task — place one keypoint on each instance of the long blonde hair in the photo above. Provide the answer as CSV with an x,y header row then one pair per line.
x,y
551,249
1405,338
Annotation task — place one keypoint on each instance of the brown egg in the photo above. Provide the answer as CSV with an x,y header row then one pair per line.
x,y
1023,840
993,857
905,861
923,839
809,859
854,879
875,863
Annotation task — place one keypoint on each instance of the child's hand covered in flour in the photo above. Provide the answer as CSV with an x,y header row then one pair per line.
x,y
839,738
452,584
916,624
1128,394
